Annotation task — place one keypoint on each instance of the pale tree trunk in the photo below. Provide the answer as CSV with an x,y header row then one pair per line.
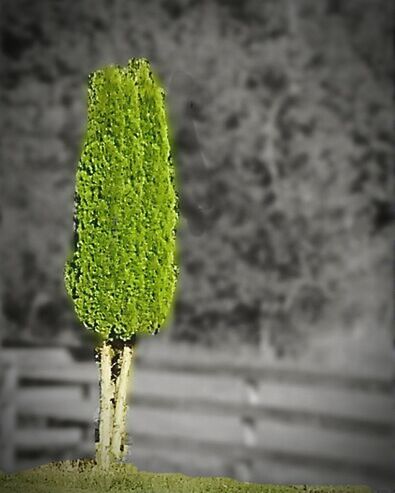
x,y
103,451
114,389
118,444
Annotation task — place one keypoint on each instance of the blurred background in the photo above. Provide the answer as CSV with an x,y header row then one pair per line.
x,y
282,119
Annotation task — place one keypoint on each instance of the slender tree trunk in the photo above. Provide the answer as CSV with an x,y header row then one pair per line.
x,y
103,451
114,393
118,444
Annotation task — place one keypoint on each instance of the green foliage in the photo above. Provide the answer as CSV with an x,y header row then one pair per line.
x,y
122,274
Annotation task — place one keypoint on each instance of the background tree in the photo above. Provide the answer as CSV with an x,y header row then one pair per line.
x,y
288,229
122,273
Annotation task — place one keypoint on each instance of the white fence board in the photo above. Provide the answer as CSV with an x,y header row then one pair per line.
x,y
54,438
379,365
41,357
167,423
340,403
335,402
180,385
62,404
82,373
179,461
352,448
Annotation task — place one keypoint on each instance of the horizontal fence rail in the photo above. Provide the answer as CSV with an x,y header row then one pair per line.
x,y
206,413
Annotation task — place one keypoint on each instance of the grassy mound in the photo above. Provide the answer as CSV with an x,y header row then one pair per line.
x,y
84,477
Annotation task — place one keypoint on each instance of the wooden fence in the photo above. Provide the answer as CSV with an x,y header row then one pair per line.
x,y
206,413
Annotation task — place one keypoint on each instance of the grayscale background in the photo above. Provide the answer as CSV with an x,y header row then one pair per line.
x,y
282,116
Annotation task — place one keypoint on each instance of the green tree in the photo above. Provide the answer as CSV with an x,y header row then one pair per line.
x,y
122,273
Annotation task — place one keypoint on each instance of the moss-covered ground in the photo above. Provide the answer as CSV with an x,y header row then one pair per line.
x,y
84,476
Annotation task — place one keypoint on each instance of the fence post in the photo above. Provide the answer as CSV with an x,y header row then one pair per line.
x,y
244,469
8,395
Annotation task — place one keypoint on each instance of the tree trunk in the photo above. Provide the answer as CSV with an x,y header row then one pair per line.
x,y
114,390
103,451
118,444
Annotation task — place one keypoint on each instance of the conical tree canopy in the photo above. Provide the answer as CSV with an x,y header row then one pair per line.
x,y
123,270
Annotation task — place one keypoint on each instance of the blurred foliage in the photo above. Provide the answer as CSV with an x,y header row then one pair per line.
x,y
282,123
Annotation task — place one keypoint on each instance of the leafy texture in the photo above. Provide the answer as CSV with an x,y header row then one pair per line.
x,y
122,273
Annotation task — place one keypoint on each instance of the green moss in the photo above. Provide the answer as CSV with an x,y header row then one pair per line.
x,y
123,271
84,476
